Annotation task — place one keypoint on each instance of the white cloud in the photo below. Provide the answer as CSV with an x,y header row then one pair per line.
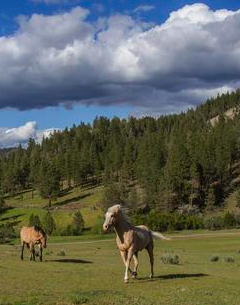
x,y
11,137
144,8
64,58
54,1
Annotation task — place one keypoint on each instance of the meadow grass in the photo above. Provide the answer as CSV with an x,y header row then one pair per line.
x,y
92,273
85,200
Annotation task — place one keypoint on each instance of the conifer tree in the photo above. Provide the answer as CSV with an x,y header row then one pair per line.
x,y
48,223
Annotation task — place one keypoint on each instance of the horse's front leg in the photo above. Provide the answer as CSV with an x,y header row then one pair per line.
x,y
128,261
32,251
124,257
22,249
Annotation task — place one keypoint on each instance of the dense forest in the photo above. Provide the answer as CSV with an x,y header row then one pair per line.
x,y
163,163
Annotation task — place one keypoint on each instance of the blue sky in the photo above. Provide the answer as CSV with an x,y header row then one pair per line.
x,y
67,61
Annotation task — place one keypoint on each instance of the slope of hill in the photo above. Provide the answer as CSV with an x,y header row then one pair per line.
x,y
86,201
175,160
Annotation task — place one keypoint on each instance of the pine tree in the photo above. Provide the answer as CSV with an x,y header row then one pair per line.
x,y
210,201
34,220
2,203
48,223
49,181
238,198
78,223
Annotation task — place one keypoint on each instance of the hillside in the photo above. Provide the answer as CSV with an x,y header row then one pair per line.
x,y
62,210
145,163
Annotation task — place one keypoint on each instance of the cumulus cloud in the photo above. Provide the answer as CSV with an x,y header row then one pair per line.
x,y
10,137
65,58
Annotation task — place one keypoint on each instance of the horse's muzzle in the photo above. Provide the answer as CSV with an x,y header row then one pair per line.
x,y
105,228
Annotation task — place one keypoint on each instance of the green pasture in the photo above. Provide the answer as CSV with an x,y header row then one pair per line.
x,y
86,200
91,272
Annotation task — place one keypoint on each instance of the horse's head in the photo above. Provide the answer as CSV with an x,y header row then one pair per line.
x,y
111,217
43,238
44,241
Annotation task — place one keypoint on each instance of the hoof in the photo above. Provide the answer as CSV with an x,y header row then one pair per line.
x,y
125,281
134,274
151,276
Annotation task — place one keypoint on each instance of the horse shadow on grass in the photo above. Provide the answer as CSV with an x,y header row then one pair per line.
x,y
173,276
69,261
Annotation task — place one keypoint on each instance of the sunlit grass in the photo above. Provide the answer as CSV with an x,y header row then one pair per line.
x,y
92,273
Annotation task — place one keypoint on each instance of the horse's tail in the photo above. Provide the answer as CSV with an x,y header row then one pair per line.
x,y
159,235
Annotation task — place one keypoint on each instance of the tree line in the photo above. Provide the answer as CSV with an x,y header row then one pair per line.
x,y
162,163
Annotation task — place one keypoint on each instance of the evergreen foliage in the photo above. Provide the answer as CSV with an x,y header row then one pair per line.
x,y
175,160
48,223
34,220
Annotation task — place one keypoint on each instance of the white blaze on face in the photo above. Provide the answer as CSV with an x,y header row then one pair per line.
x,y
108,221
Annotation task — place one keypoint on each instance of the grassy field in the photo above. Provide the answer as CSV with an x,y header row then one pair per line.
x,y
85,200
92,272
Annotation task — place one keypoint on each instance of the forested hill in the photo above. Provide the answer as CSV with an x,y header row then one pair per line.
x,y
163,163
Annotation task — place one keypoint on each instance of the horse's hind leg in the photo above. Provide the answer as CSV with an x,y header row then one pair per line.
x,y
41,251
150,253
22,249
135,258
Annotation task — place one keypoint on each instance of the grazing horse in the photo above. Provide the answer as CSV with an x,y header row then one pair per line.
x,y
32,236
130,239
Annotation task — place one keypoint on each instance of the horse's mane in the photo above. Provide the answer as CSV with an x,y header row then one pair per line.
x,y
40,230
123,210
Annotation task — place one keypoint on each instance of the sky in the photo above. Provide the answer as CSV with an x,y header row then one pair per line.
x,y
67,61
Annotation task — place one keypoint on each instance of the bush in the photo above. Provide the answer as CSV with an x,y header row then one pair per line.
x,y
62,252
214,258
97,228
229,221
34,220
6,232
48,252
214,223
228,259
170,259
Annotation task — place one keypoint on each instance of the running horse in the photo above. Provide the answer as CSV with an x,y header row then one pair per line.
x,y
130,239
32,236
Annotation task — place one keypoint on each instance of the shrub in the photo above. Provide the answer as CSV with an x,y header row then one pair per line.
x,y
7,232
229,220
97,228
170,259
214,223
62,252
228,259
48,252
214,258
34,221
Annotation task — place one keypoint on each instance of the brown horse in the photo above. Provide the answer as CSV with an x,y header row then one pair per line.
x,y
130,239
32,236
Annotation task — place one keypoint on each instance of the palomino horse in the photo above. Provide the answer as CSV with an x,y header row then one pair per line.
x,y
130,239
32,236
